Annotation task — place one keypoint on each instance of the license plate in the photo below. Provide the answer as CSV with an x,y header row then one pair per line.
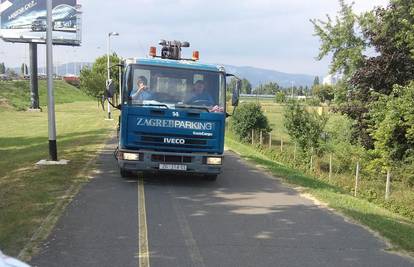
x,y
173,167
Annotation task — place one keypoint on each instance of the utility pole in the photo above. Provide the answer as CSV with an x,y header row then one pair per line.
x,y
34,86
108,67
50,96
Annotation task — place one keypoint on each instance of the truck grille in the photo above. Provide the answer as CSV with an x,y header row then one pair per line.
x,y
156,139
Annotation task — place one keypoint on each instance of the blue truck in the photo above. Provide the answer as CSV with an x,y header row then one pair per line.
x,y
173,114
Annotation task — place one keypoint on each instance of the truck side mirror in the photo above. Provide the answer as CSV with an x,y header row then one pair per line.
x,y
110,88
236,94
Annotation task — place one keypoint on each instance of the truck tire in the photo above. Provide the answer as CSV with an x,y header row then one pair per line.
x,y
211,177
125,173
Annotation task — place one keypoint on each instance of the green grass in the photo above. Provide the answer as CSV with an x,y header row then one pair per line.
x,y
399,230
17,94
29,193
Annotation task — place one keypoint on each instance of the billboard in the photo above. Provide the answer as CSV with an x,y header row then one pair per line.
x,y
25,21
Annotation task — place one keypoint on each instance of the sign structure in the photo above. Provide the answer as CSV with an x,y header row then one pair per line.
x,y
24,21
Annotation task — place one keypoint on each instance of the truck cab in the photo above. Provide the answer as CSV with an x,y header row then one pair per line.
x,y
173,115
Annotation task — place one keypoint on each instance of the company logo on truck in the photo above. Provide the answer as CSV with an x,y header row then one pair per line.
x,y
179,124
174,141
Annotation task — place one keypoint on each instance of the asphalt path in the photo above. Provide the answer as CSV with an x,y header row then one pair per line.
x,y
245,218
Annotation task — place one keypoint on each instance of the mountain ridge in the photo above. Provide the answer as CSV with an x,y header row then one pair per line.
x,y
257,76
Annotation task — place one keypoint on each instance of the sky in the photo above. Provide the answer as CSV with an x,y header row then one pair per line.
x,y
271,34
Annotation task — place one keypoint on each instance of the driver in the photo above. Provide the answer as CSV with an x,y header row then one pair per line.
x,y
142,92
200,95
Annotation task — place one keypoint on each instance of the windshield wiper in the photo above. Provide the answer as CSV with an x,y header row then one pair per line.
x,y
191,106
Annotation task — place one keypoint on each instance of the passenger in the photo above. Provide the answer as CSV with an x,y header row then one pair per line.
x,y
200,95
142,92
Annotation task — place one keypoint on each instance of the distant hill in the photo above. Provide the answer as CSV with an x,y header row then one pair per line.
x,y
258,76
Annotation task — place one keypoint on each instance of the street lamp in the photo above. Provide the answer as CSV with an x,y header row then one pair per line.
x,y
108,67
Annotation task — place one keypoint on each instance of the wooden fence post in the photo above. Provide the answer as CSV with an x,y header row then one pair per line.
x,y
388,185
261,137
281,144
311,160
356,179
252,136
330,167
270,140
294,153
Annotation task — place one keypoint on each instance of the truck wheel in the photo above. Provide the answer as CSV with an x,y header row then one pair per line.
x,y
210,177
125,173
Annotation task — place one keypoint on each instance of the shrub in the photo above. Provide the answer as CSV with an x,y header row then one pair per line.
x,y
280,97
246,117
304,128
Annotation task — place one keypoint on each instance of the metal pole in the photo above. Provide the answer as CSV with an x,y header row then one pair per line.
x,y
50,99
252,136
34,85
108,71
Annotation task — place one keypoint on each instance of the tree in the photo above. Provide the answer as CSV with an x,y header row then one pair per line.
x,y
389,31
316,81
11,73
2,68
393,131
93,80
323,92
280,97
393,116
304,128
24,69
340,39
246,86
247,117
267,89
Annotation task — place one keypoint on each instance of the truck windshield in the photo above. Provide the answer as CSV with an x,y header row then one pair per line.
x,y
174,87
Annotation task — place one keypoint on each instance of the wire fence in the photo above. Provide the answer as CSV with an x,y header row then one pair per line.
x,y
329,168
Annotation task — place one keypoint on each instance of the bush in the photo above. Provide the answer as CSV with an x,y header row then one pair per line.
x,y
280,97
304,128
246,117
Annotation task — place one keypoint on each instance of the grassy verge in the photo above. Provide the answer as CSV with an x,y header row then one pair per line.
x,y
29,193
397,229
17,93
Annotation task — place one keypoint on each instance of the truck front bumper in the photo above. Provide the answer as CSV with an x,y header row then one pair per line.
x,y
154,161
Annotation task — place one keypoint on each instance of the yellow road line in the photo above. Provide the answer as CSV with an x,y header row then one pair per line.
x,y
143,253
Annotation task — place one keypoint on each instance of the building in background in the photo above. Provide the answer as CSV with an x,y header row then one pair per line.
x,y
331,79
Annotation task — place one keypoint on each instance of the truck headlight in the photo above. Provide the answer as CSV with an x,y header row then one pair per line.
x,y
214,160
130,156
